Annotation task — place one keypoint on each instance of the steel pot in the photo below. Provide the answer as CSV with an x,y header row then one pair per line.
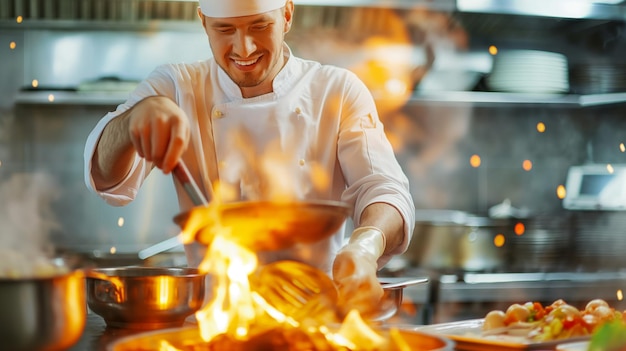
x,y
145,297
42,314
458,241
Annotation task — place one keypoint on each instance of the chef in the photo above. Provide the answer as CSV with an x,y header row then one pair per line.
x,y
254,100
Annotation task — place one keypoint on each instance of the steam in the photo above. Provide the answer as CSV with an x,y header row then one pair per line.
x,y
27,221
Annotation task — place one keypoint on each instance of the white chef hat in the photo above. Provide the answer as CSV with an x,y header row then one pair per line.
x,y
236,8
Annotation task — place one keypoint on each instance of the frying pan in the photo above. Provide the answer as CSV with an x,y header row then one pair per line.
x,y
259,225
190,337
265,225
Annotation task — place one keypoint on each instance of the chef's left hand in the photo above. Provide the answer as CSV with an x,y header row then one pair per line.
x,y
354,271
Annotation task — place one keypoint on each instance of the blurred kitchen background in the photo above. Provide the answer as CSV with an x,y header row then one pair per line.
x,y
500,112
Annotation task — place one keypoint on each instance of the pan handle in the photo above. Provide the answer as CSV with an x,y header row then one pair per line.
x,y
400,283
181,173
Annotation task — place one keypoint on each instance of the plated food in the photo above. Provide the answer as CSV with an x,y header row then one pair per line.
x,y
530,326
556,321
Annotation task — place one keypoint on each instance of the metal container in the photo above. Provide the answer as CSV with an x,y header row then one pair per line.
x,y
458,241
42,314
393,294
189,338
145,297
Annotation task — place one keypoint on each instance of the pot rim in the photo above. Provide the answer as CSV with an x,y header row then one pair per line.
x,y
175,272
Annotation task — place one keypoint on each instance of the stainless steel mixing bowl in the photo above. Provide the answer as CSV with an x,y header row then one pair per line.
x,y
145,297
46,313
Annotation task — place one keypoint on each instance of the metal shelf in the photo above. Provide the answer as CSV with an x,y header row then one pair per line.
x,y
107,25
496,98
139,13
450,97
70,98
587,9
439,5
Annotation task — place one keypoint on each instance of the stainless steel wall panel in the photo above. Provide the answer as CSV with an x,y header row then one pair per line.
x,y
67,58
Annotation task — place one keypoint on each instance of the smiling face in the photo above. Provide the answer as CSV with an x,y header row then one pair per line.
x,y
250,48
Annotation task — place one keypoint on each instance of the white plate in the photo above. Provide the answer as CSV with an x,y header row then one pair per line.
x,y
532,55
467,336
574,346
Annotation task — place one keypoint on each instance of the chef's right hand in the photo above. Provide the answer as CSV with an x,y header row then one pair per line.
x,y
159,131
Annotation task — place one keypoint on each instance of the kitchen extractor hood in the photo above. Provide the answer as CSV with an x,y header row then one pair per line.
x,y
580,9
435,5
184,10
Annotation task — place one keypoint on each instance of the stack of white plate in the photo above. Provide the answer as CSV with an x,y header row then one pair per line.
x,y
529,71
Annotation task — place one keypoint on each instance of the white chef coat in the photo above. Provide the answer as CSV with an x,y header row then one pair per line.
x,y
320,119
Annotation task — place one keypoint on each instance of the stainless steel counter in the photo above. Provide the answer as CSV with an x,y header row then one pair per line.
x,y
524,287
473,295
98,337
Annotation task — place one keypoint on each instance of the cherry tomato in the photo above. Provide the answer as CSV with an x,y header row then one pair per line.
x,y
540,312
572,320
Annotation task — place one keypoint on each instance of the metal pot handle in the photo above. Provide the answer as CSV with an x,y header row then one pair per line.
x,y
181,173
116,282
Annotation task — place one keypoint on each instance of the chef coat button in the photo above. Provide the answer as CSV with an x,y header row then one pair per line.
x,y
298,110
217,114
302,162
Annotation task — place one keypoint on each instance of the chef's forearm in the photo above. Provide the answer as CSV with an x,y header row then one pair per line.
x,y
114,154
388,219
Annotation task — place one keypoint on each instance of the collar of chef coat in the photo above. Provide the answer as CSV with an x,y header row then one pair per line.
x,y
280,85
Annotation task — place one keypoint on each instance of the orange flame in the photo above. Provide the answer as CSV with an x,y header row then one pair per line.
x,y
237,310
231,311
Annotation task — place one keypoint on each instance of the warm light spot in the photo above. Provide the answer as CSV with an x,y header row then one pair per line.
x,y
475,161
541,127
396,87
622,148
0,163
164,291
120,222
19,19
610,168
561,192
12,45
499,240
113,250
51,97
35,83
620,295
527,165
493,50
519,228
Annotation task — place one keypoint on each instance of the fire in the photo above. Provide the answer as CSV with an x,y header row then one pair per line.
x,y
166,346
231,310
254,305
